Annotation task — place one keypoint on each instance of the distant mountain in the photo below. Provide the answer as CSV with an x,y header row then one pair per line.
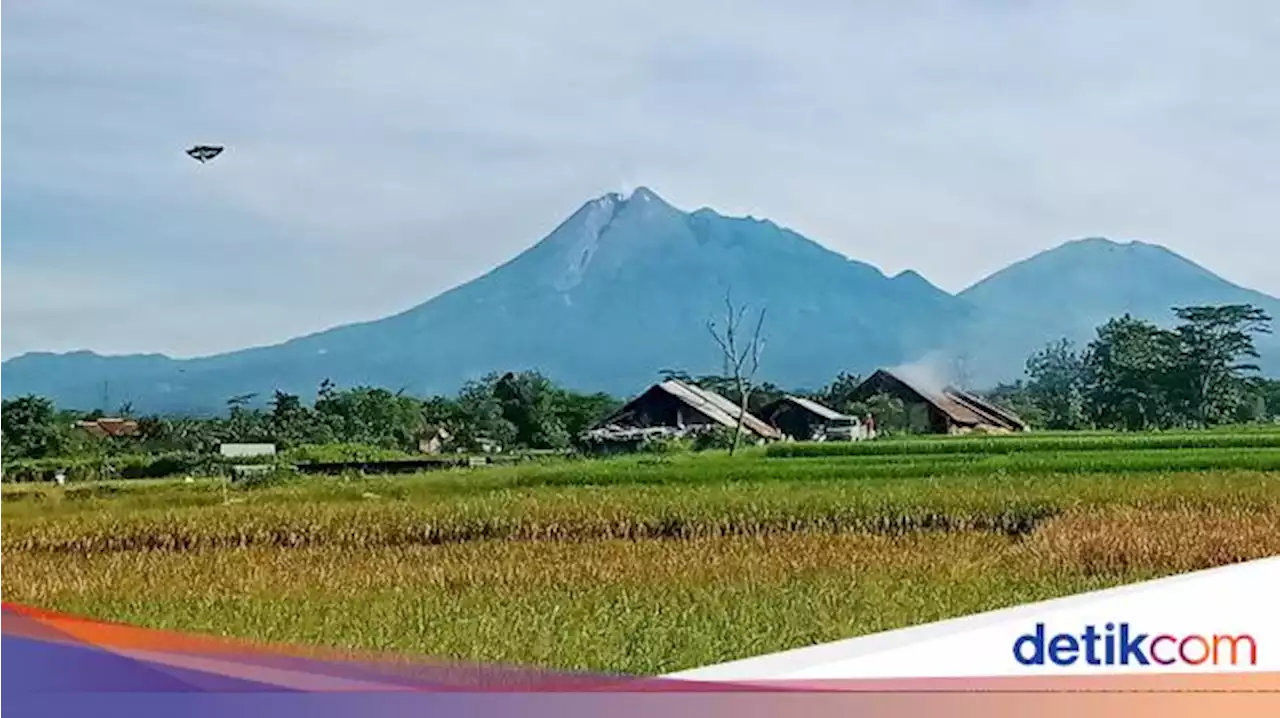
x,y
624,288
619,291
1069,290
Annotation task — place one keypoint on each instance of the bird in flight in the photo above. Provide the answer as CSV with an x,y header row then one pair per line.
x,y
204,153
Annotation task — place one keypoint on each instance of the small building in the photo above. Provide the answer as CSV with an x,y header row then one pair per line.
x,y
674,407
107,427
240,451
940,410
806,420
433,440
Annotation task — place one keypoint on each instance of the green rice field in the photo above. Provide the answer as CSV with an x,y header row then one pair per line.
x,y
651,563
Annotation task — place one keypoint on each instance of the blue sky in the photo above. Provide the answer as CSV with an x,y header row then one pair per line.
x,y
383,151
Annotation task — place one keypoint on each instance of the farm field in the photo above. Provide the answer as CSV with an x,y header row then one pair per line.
x,y
654,563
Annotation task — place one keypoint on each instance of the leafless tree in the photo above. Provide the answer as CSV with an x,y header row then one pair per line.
x,y
741,355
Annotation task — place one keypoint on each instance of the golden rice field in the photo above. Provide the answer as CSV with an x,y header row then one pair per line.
x,y
647,576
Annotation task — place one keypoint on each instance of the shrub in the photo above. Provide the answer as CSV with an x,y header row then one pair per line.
x,y
719,437
665,445
341,453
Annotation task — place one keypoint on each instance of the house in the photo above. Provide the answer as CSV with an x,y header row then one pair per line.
x,y
677,408
807,420
109,427
939,410
433,440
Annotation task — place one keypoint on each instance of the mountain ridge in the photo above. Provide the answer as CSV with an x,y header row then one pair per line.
x,y
623,287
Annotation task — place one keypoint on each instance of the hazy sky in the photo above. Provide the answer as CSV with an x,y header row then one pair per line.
x,y
383,151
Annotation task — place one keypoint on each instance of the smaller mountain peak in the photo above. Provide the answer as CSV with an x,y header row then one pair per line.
x,y
639,195
1112,245
644,194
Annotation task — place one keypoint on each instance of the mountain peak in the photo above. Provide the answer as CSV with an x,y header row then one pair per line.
x,y
641,195
1104,244
1093,242
644,194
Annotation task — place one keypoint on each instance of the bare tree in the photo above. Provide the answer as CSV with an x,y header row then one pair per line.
x,y
741,358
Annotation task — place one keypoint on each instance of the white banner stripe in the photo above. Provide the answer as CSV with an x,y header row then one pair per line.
x,y
1236,599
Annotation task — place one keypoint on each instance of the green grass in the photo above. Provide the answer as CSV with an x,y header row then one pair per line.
x,y
633,607
1032,443
645,564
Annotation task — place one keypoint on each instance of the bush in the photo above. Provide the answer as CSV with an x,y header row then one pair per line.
x,y
341,453
719,437
265,476
128,466
150,467
664,445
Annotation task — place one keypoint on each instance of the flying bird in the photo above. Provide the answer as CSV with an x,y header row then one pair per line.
x,y
204,153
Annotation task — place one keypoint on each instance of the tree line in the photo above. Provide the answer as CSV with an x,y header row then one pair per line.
x,y
512,410
1134,375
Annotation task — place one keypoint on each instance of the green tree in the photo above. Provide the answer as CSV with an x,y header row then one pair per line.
x,y
579,412
840,392
1268,392
889,412
1214,373
368,415
1130,370
480,416
29,428
1056,387
529,402
1018,398
757,394
164,433
292,423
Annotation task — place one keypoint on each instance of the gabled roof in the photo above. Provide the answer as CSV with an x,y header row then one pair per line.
x,y
812,407
993,414
706,402
959,406
105,427
716,407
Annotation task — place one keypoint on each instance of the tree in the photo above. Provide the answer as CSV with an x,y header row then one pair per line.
x,y
1213,371
579,412
840,392
291,423
528,401
326,390
1018,398
372,416
763,393
29,428
1268,392
890,413
479,416
1057,374
1129,368
162,433
741,356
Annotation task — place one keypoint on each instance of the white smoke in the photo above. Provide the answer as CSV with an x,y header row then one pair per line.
x,y
934,372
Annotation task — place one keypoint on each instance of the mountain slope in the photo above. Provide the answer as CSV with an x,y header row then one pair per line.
x,y
1069,290
620,290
